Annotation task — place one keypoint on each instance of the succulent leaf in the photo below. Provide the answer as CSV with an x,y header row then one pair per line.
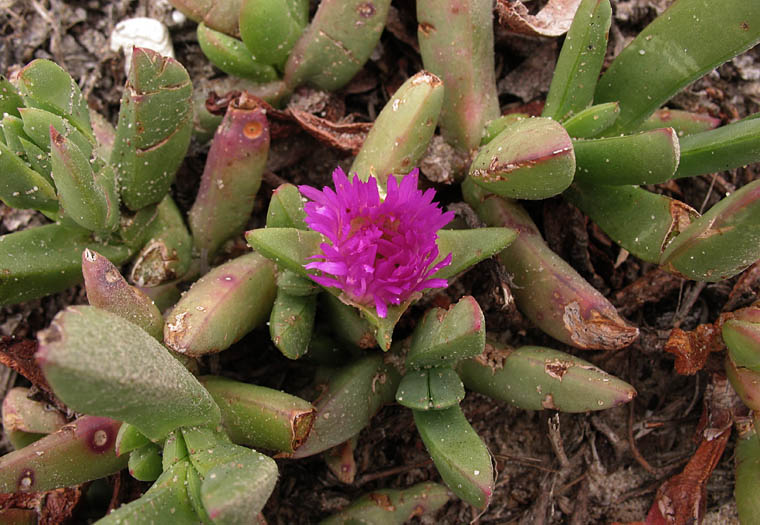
x,y
145,462
678,47
459,454
46,85
346,323
723,148
392,506
337,43
289,248
260,417
291,323
650,157
721,243
293,284
94,359
354,394
497,125
10,100
232,56
47,259
235,481
129,439
286,208
401,133
222,306
684,122
108,290
270,28
469,247
231,177
546,288
456,44
642,222
443,337
593,120
167,254
154,128
80,451
537,378
747,476
26,420
87,197
742,340
167,501
37,124
580,61
531,159
22,187
434,388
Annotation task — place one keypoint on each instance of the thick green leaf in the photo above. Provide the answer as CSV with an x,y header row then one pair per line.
x,y
592,121
721,243
286,208
684,122
231,177
78,452
270,28
167,501
166,252
531,159
456,44
354,394
87,197
222,306
392,506
10,100
645,158
260,417
235,481
748,476
23,188
720,149
459,454
642,222
47,259
232,56
435,388
401,133
45,85
689,39
154,129
99,363
291,323
443,337
536,378
580,61
289,248
469,247
337,43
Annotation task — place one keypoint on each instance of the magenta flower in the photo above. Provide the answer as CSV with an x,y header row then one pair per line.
x,y
380,252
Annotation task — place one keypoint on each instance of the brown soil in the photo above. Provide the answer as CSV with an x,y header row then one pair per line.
x,y
611,462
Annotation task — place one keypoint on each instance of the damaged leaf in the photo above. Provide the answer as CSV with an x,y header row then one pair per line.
x,y
692,348
19,356
553,20
681,500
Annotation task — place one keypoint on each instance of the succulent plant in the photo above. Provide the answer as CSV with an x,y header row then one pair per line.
x,y
335,269
275,47
54,161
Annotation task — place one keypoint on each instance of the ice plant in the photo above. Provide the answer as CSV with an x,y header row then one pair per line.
x,y
379,251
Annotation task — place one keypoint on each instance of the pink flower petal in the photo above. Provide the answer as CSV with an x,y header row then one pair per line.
x,y
379,252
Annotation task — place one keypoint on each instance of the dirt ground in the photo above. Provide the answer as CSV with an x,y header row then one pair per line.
x,y
599,467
